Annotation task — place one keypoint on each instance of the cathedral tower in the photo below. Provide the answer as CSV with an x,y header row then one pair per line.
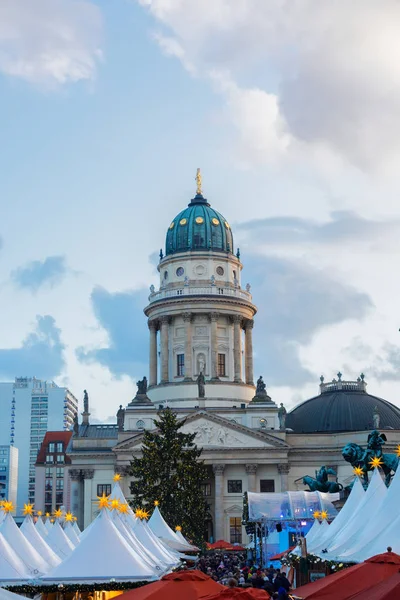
x,y
200,319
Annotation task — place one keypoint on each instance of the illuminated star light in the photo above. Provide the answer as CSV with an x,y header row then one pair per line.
x,y
123,508
178,528
398,450
316,514
7,506
104,502
145,514
156,503
69,516
117,477
138,513
324,514
114,504
358,471
28,509
58,513
376,462
39,513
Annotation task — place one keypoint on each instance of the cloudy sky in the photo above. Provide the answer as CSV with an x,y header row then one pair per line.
x,y
291,109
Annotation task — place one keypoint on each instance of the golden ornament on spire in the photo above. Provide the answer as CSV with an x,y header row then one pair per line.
x,y
104,502
178,528
114,504
39,513
316,514
199,191
156,503
358,471
145,514
7,506
138,513
376,462
58,513
69,517
123,508
28,509
47,514
117,477
324,514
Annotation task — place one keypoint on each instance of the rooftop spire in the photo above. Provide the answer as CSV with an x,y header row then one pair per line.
x,y
199,191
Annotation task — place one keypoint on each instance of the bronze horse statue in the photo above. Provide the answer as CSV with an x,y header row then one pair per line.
x,y
358,457
320,483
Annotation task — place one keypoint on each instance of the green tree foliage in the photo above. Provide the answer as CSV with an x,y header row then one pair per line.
x,y
170,471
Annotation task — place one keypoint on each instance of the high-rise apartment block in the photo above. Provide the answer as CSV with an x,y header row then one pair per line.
x,y
28,408
8,473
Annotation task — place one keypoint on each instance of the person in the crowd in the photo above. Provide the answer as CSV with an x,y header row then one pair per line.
x,y
281,581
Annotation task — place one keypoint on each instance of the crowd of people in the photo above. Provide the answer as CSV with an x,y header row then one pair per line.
x,y
233,570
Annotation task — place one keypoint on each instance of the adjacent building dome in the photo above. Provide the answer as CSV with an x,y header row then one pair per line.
x,y
343,406
199,227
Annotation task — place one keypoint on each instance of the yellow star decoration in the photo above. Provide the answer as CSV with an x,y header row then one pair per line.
x,y
39,513
47,514
376,462
145,514
178,528
123,508
28,509
398,450
358,471
58,513
69,517
51,520
114,504
138,513
324,514
117,477
75,518
316,514
103,501
7,506
156,503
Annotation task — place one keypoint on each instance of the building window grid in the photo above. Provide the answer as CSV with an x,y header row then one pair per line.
x,y
104,488
235,530
180,365
221,365
267,486
234,486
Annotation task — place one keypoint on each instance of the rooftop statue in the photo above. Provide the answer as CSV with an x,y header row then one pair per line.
x,y
142,386
261,388
360,457
320,483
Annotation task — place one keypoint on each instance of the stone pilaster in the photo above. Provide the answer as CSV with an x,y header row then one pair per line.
x,y
164,349
251,470
249,352
214,345
153,353
219,529
187,318
283,470
76,500
87,475
237,348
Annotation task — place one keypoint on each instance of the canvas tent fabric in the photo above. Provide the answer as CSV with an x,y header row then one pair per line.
x,y
12,568
33,536
59,542
290,506
348,510
48,524
188,585
40,526
313,533
70,533
22,547
162,530
7,595
354,580
238,593
388,589
102,555
151,542
369,505
76,528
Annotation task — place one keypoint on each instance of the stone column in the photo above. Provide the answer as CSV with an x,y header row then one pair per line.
x,y
251,470
187,318
87,475
164,350
214,345
219,524
237,348
76,500
153,353
249,352
283,470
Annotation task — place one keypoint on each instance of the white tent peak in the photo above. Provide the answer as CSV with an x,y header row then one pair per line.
x,y
33,536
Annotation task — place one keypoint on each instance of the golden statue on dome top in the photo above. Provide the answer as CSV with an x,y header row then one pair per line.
x,y
199,191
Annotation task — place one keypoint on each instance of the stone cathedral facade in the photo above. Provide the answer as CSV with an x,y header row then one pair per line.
x,y
200,320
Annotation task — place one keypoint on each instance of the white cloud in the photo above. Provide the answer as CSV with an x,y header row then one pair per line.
x,y
49,41
329,70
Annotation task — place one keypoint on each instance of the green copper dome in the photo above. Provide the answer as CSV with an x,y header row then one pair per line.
x,y
199,227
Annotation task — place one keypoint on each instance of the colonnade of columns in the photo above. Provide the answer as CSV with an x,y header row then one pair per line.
x,y
239,323
81,495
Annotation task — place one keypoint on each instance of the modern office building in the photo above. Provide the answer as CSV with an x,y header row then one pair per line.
x,y
28,408
51,481
8,473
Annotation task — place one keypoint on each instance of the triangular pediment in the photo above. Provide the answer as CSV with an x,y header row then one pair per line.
x,y
214,431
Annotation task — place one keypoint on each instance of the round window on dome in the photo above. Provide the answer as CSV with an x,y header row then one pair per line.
x,y
172,225
220,271
214,221
183,222
199,220
180,271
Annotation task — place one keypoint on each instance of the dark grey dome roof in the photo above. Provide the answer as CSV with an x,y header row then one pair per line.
x,y
342,406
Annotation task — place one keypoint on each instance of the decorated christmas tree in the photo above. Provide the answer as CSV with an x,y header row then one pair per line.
x,y
170,473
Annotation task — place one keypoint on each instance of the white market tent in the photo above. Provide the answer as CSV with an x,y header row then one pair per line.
x,y
180,536
369,505
157,548
6,595
71,533
33,536
76,529
313,533
162,530
102,555
59,542
48,524
349,508
12,569
22,547
290,506
40,526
